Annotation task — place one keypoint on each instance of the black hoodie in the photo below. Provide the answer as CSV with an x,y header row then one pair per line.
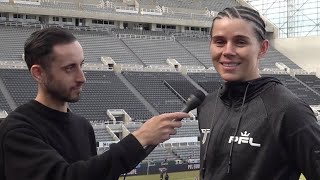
x,y
258,130
39,143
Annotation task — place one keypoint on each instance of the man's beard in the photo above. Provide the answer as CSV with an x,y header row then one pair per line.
x,y
61,95
58,92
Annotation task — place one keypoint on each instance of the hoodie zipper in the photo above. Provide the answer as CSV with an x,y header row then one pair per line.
x,y
229,171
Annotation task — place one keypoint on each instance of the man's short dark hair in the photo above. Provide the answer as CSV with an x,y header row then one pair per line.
x,y
39,46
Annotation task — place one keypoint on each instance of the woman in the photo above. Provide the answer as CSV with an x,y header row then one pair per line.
x,y
253,127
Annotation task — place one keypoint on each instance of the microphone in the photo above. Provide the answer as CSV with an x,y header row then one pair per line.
x,y
192,102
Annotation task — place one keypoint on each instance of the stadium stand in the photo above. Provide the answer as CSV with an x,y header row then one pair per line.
x,y
160,154
297,88
101,133
59,5
102,44
138,32
12,38
104,90
4,104
132,126
97,7
212,81
181,88
310,80
188,129
157,51
274,56
183,152
197,4
136,46
208,81
151,86
199,47
187,152
20,84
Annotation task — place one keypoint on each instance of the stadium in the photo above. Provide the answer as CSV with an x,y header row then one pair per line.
x,y
145,57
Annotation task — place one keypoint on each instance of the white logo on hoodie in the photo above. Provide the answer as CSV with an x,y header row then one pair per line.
x,y
205,135
243,139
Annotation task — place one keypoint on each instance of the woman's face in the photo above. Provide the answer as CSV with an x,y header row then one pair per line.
x,y
235,50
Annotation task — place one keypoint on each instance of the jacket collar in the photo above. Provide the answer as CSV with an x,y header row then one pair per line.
x,y
232,92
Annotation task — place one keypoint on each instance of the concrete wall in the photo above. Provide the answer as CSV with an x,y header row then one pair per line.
x,y
304,51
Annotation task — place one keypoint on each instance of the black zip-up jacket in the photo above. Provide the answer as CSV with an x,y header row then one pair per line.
x,y
258,130
39,143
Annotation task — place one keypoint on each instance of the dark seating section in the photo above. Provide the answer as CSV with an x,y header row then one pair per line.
x,y
12,42
133,126
4,104
102,44
187,152
199,47
104,90
208,81
157,51
274,56
20,84
297,88
310,80
149,49
183,88
101,133
160,154
188,129
212,81
151,86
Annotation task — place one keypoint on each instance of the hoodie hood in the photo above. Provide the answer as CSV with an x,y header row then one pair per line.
x,y
232,93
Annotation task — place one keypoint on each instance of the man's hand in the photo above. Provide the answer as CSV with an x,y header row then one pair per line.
x,y
159,128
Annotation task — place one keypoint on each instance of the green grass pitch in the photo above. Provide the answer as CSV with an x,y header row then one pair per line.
x,y
186,175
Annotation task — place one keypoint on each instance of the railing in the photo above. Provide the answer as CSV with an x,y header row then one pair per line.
x,y
150,11
135,36
174,91
126,9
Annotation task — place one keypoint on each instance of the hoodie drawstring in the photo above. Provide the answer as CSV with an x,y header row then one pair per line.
x,y
229,171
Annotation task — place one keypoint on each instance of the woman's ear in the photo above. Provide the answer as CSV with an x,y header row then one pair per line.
x,y
263,48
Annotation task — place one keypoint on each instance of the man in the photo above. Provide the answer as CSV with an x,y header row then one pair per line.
x,y
43,140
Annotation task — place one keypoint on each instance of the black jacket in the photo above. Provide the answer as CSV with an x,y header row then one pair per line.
x,y
258,130
40,143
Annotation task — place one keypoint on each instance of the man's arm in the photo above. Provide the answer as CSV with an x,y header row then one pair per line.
x,y
28,156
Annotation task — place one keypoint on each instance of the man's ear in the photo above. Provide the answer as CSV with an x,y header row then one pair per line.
x,y
263,48
37,73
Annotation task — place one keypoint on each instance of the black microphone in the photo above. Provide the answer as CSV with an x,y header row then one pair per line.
x,y
192,102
